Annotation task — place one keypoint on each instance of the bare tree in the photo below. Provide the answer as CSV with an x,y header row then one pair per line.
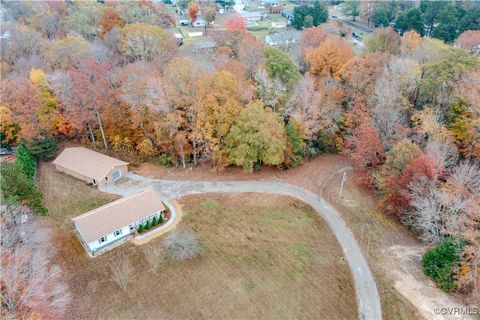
x,y
122,273
182,244
270,91
466,175
154,256
388,111
28,281
426,216
444,153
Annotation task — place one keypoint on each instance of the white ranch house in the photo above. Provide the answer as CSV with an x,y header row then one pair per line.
x,y
116,221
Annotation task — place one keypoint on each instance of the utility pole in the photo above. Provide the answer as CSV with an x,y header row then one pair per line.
x,y
344,178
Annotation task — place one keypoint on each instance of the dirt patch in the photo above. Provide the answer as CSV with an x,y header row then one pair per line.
x,y
309,175
267,257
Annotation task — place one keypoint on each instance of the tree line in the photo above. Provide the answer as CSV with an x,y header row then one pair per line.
x,y
444,20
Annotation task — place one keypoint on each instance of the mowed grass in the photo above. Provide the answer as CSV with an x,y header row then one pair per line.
x,y
67,197
265,257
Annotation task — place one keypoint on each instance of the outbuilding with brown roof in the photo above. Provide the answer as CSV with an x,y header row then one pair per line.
x,y
90,166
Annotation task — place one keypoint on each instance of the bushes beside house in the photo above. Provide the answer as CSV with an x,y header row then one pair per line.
x,y
150,224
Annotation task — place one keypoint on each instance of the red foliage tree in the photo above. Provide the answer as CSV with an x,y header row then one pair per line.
x,y
366,149
398,201
469,40
312,38
422,167
236,22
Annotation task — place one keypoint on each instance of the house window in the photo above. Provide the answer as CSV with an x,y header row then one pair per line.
x,y
131,226
102,239
117,232
106,178
94,182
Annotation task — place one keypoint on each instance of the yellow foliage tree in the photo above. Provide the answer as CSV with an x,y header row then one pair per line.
x,y
8,128
217,112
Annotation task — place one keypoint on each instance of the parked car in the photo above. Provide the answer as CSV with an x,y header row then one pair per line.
x,y
199,23
184,22
251,25
179,39
7,150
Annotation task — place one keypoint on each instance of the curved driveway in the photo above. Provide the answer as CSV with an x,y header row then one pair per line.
x,y
367,294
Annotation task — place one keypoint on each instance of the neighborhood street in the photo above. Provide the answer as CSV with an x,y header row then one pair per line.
x,y
367,295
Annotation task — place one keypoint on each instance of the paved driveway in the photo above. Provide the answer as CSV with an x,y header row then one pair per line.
x,y
367,294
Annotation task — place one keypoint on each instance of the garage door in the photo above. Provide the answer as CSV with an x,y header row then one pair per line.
x,y
116,175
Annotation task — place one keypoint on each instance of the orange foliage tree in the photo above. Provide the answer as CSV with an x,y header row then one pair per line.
x,y
329,58
193,9
109,20
410,41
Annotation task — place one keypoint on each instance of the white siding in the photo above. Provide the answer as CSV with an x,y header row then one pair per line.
x,y
94,245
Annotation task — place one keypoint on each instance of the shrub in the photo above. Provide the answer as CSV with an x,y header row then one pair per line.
x,y
165,160
182,245
154,221
140,228
148,225
440,262
160,219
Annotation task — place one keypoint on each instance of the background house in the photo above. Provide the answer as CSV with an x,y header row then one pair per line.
x,y
90,166
102,227
251,16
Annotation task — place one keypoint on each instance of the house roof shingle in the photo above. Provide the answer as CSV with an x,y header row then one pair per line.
x,y
117,214
87,162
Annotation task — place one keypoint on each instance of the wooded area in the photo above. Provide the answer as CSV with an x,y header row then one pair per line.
x,y
406,110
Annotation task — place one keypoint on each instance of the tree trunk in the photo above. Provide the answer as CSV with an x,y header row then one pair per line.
x,y
101,129
142,126
91,134
194,152
182,155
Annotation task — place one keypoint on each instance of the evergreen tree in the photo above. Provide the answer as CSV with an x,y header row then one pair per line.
x,y
44,149
317,11
351,8
411,20
25,161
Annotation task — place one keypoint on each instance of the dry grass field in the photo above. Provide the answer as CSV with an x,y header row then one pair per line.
x,y
265,257
67,197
